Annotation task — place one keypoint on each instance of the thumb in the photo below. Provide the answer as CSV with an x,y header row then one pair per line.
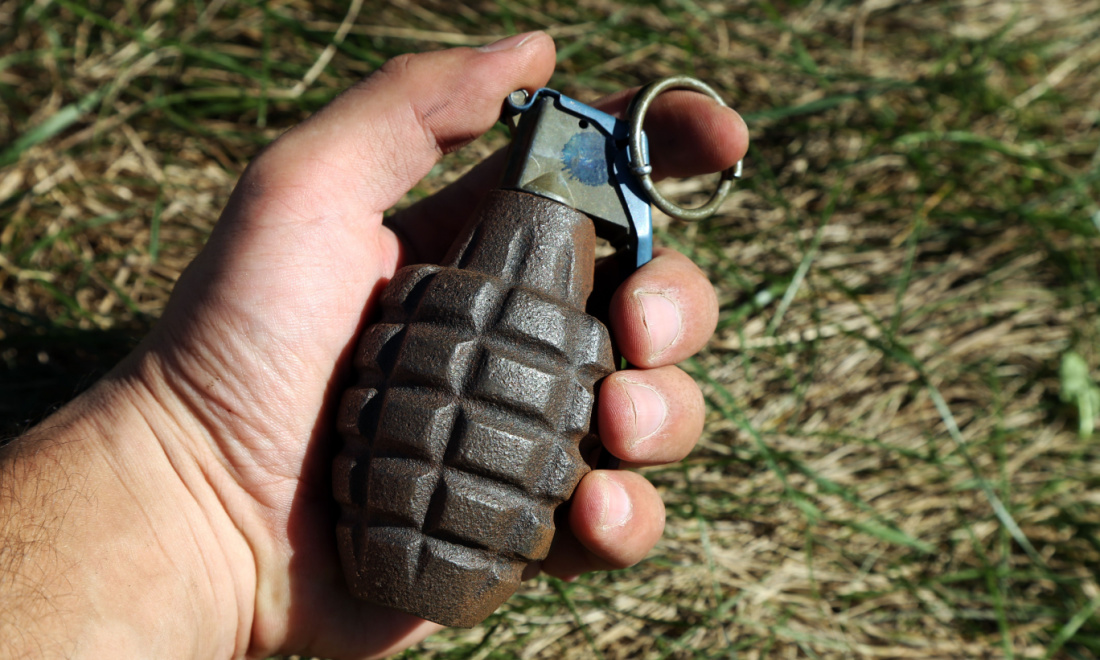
x,y
380,137
297,249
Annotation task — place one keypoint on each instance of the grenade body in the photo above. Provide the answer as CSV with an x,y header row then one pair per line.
x,y
474,391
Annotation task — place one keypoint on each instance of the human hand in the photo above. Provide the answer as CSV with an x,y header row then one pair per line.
x,y
236,386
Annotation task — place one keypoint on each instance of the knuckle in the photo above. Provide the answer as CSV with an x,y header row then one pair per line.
x,y
397,66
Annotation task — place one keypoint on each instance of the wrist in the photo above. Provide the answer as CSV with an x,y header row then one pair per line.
x,y
117,553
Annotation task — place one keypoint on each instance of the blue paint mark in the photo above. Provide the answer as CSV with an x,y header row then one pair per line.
x,y
584,159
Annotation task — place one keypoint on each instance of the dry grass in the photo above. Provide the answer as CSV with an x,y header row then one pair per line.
x,y
888,470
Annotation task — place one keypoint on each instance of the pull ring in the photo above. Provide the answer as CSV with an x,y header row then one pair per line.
x,y
638,108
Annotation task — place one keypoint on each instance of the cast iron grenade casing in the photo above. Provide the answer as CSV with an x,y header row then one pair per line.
x,y
461,435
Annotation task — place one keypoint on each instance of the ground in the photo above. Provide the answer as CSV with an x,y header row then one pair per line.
x,y
896,463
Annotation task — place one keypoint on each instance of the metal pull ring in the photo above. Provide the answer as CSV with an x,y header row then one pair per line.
x,y
638,108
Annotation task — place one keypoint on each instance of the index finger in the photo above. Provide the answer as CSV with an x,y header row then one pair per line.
x,y
689,134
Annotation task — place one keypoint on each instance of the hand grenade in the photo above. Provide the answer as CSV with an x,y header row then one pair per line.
x,y
476,386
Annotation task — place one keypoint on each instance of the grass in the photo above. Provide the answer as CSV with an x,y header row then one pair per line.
x,y
888,468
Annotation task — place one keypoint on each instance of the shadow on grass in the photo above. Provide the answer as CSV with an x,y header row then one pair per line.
x,y
43,366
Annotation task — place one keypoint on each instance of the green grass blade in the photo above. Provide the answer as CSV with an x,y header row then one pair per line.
x,y
1067,631
51,126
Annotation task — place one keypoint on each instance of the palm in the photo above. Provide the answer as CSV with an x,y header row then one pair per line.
x,y
265,329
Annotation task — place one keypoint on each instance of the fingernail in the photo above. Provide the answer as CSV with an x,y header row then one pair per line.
x,y
617,508
662,321
507,43
650,410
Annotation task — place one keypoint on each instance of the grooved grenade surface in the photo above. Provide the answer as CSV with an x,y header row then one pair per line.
x,y
461,435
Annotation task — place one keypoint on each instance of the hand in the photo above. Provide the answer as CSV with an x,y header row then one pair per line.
x,y
226,409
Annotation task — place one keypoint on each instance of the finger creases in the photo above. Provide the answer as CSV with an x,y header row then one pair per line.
x,y
663,313
614,520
